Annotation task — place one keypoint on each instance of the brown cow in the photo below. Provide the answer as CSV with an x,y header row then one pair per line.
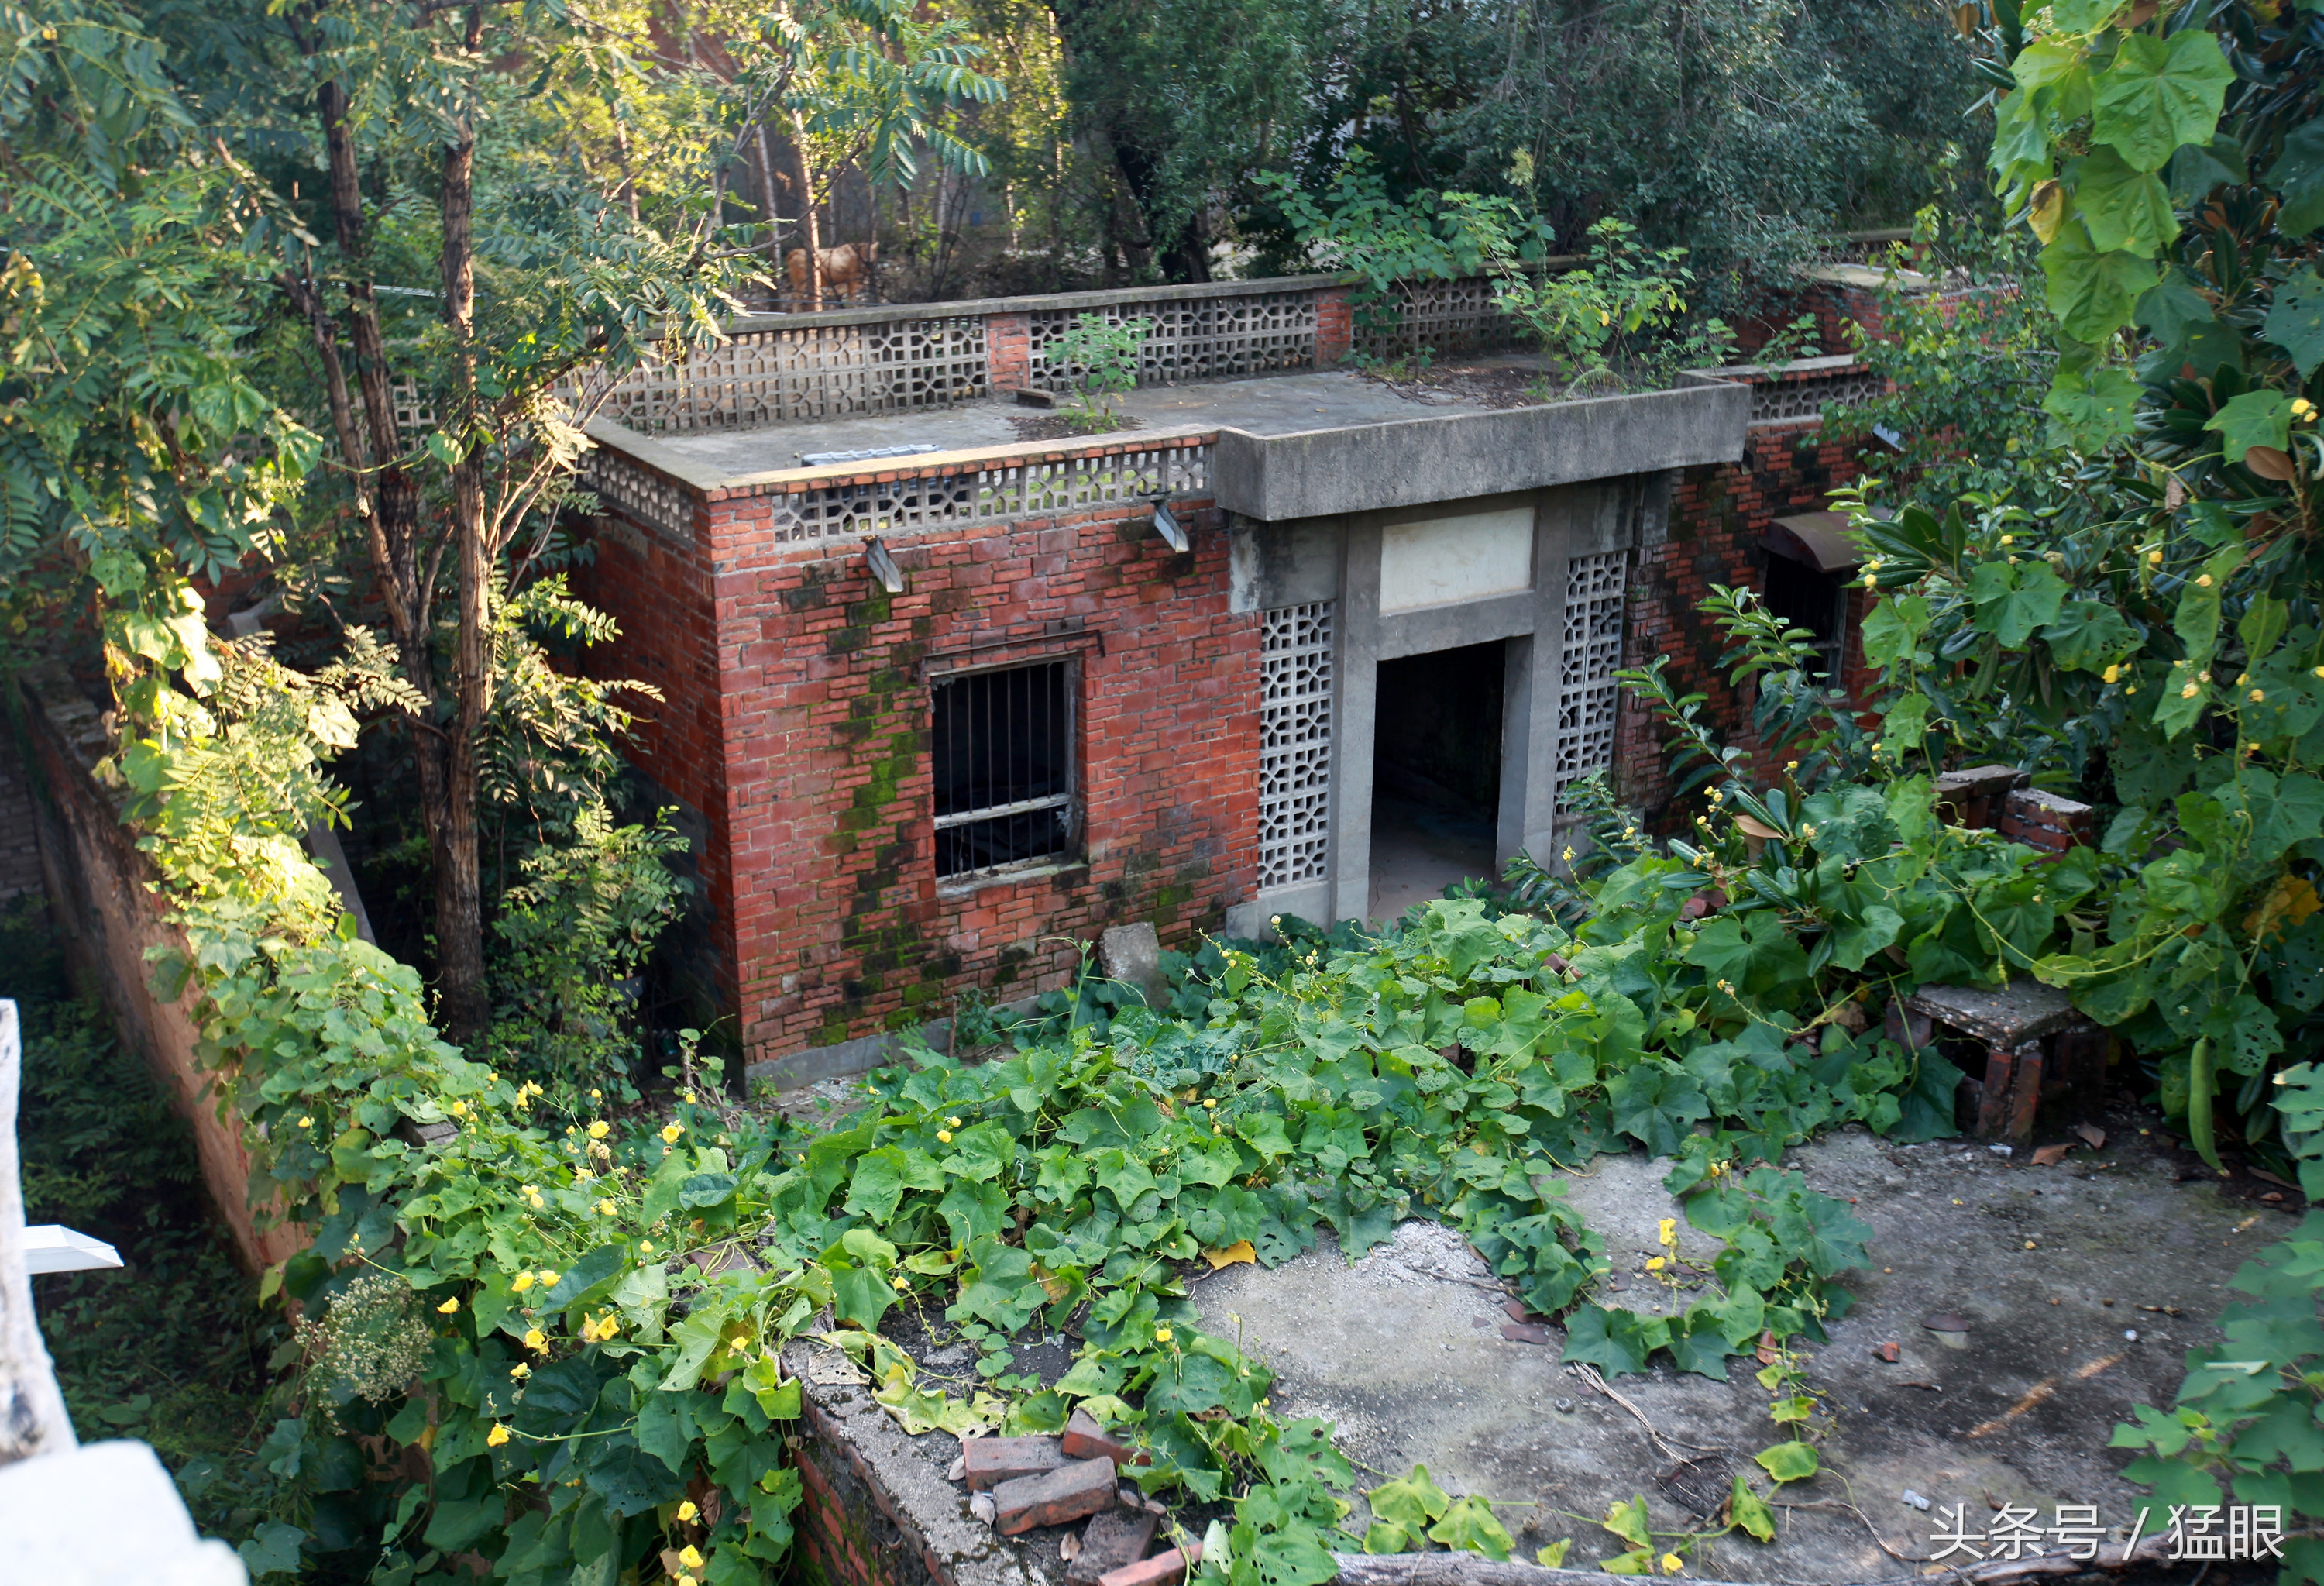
x,y
846,269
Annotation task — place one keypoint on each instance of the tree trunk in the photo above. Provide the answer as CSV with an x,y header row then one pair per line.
x,y
464,1007
767,197
808,220
388,503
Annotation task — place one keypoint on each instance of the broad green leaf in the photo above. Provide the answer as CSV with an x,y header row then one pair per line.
x,y
2092,291
2094,406
2197,170
1628,1520
2081,16
2298,175
2125,208
2090,636
1388,1537
1470,1526
2256,418
2295,319
2158,93
1617,1342
2013,599
1748,1509
1893,628
1414,1502
1787,1461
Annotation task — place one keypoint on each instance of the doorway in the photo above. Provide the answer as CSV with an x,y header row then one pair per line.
x,y
1436,773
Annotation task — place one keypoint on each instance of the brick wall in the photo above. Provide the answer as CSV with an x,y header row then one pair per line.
x,y
1335,326
1717,514
102,901
821,856
1009,351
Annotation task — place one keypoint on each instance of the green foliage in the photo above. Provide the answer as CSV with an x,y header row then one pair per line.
x,y
1616,315
1103,354
1394,247
572,933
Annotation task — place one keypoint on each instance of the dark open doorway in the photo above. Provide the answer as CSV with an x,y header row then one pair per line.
x,y
1436,773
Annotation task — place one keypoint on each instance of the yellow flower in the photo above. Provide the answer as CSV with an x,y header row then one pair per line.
x,y
952,1123
1672,1563
1162,1335
548,1279
310,1123
605,1208
1209,1102
2203,581
459,1109
690,1556
533,1338
669,1133
2257,696
448,1306
597,1095
581,1175
741,1340
519,1282
2009,539
1655,1263
537,1203
2188,692
519,1370
2154,558
645,1247
1568,855
1667,1230
2301,406
496,1437
686,1512
599,1130
687,1097
944,1137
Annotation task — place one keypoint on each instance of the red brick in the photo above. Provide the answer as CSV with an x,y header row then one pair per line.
x,y
1085,1439
1068,1493
991,1461
1158,1571
1112,1539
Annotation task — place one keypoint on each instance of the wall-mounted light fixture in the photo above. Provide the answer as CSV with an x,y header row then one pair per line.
x,y
883,566
1168,527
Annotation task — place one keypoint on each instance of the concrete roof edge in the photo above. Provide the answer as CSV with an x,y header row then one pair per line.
x,y
1455,456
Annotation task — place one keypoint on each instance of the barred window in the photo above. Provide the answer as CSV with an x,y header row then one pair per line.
x,y
1002,751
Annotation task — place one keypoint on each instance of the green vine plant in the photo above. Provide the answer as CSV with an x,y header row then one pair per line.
x,y
610,1298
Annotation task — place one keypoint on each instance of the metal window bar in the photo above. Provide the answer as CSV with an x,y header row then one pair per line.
x,y
1002,748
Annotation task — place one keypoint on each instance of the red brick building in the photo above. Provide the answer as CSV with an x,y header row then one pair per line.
x,y
945,700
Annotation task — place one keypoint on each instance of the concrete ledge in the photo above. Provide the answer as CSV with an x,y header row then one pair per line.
x,y
860,1056
1048,303
1367,467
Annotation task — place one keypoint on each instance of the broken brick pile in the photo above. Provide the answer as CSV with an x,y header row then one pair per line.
x,y
1024,1483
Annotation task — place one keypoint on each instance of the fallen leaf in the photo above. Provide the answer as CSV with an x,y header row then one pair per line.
x,y
1931,1386
1946,1322
1240,1250
1888,1353
2272,1179
2050,1155
1768,1352
2269,463
2092,1136
1526,1333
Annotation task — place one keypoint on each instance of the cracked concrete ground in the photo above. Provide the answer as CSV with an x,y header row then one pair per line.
x,y
2048,1266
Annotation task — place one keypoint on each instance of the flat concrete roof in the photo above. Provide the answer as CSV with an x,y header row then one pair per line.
x,y
1260,404
1290,446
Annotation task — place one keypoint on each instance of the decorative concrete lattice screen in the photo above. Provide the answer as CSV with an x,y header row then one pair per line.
x,y
1587,693
1012,490
1446,316
1295,757
810,372
639,494
1193,338
1776,402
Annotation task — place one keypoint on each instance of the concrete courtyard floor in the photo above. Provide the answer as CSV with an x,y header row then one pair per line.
x,y
2052,1268
2082,1284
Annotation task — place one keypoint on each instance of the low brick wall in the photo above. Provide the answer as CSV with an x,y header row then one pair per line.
x,y
101,896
